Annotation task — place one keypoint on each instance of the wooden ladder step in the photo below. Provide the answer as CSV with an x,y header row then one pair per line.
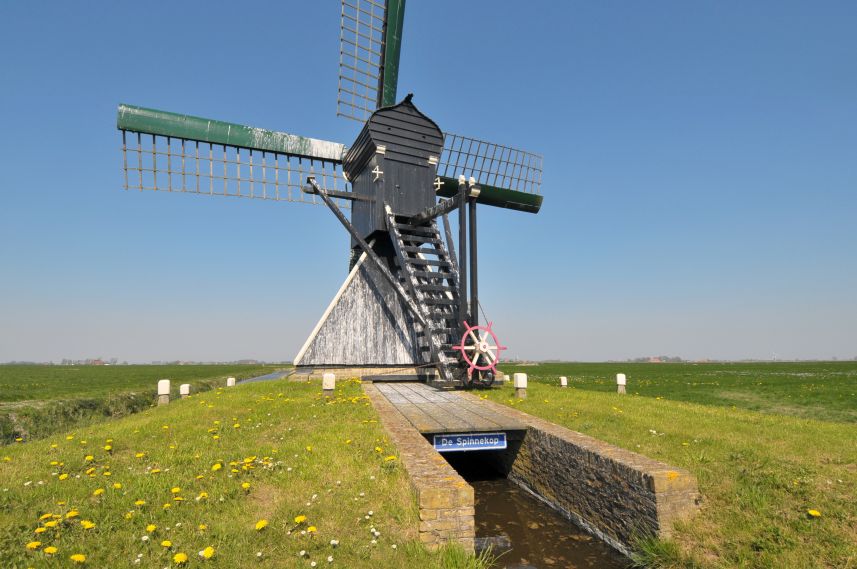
x,y
440,302
433,262
435,288
415,249
432,275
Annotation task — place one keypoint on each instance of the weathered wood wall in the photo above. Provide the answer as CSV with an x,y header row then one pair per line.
x,y
365,325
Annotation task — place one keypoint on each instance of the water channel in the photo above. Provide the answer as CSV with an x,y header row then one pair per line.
x,y
522,531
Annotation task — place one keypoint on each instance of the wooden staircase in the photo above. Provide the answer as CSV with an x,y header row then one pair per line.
x,y
429,273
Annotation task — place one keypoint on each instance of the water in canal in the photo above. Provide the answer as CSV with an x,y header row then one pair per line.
x,y
524,532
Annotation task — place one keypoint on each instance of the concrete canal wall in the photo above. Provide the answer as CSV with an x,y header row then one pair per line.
x,y
445,499
615,494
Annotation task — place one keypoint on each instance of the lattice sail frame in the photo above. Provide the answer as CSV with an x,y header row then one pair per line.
x,y
361,48
490,164
164,163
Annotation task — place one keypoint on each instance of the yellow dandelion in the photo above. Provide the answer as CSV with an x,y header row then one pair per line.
x,y
390,458
108,448
216,466
245,485
51,524
140,455
167,506
300,519
207,553
178,499
379,450
348,441
129,515
63,476
180,558
139,502
72,514
88,458
90,471
202,527
98,492
78,558
107,473
261,524
166,543
814,513
87,524
150,528
50,550
311,529
175,489
236,426
202,496
40,530
155,471
46,516
309,448
117,485
33,545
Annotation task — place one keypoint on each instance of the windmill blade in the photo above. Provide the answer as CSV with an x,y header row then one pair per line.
x,y
165,151
370,40
507,177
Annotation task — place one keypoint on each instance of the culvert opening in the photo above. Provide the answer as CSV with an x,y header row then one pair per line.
x,y
522,530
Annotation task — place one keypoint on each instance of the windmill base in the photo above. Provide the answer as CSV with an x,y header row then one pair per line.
x,y
374,374
366,332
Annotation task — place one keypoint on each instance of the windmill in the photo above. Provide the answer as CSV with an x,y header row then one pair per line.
x,y
410,301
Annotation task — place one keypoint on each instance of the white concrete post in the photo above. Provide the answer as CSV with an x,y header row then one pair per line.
x,y
163,391
328,383
520,380
563,381
184,390
620,383
230,382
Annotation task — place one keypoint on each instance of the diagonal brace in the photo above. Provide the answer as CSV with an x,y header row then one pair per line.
x,y
373,257
442,208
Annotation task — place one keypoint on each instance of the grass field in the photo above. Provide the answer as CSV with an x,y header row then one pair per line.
x,y
158,488
760,473
37,400
41,382
768,443
814,390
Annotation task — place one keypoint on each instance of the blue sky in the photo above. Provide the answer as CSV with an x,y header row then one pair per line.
x,y
700,175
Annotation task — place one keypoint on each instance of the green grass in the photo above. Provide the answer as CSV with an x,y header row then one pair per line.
x,y
37,400
814,390
759,472
41,382
301,456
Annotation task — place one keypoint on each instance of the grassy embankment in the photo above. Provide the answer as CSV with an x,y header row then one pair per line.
x,y
760,472
206,472
37,400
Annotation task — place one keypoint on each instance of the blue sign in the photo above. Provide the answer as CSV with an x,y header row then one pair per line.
x,y
470,441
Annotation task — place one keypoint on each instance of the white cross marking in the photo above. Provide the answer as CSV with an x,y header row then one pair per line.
x,y
437,184
378,173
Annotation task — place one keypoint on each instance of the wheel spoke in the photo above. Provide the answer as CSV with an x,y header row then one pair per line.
x,y
473,336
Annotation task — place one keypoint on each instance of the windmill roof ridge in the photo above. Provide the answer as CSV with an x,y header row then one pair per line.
x,y
407,101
